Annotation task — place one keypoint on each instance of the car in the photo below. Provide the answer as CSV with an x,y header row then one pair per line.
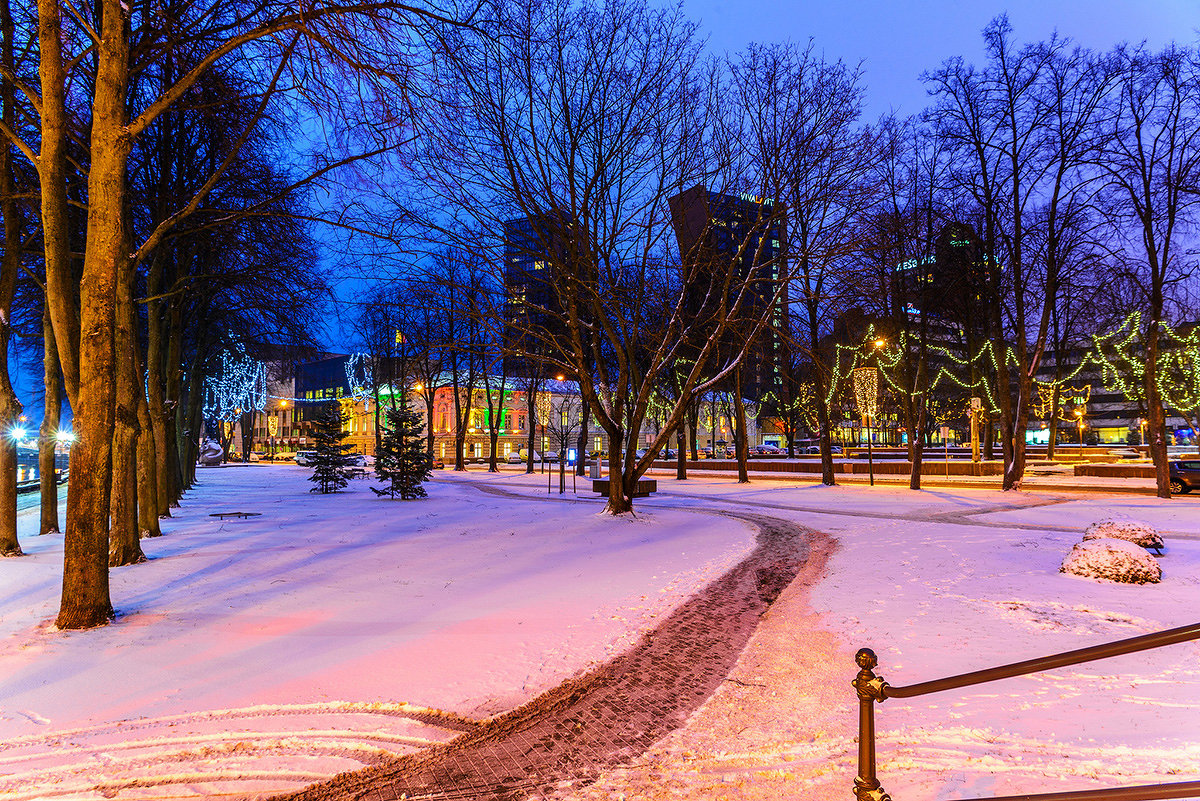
x,y
356,460
515,457
438,464
305,458
550,456
766,449
1184,476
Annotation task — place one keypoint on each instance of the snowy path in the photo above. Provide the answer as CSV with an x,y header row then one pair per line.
x,y
568,736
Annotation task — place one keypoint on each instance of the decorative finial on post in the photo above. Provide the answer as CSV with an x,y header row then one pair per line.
x,y
870,689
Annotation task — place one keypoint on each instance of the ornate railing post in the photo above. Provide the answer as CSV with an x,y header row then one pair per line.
x,y
870,689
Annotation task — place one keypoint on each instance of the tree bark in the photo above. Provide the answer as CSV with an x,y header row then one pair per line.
x,y
147,484
85,597
10,407
739,408
51,419
124,547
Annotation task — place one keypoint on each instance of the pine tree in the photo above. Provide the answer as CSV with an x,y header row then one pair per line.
x,y
331,458
402,460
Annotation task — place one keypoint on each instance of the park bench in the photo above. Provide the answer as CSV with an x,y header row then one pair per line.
x,y
645,487
243,515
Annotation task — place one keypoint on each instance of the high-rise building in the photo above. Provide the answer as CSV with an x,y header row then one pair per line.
x,y
542,266
740,239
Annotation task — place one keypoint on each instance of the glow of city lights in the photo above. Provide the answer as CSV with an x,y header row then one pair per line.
x,y
65,436
17,433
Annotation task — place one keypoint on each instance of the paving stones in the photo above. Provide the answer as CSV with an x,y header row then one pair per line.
x,y
568,736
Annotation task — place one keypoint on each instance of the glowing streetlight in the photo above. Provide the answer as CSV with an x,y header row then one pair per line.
x,y
879,343
17,433
559,378
65,437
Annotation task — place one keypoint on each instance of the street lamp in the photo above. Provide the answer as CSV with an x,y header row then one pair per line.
x,y
1079,418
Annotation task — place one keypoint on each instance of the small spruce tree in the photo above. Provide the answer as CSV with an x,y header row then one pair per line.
x,y
331,459
402,460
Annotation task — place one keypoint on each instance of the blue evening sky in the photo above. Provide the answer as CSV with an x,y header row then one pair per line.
x,y
897,40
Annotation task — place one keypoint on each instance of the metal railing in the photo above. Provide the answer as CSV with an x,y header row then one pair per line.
x,y
872,689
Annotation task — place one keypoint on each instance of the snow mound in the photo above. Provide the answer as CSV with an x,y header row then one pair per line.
x,y
1137,533
1112,560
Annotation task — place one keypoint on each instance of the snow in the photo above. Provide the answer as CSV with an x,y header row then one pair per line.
x,y
258,654
1112,559
1137,533
268,652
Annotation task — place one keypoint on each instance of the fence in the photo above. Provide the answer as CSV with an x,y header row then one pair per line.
x,y
872,689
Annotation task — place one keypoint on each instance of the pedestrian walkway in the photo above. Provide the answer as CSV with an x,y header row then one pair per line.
x,y
567,737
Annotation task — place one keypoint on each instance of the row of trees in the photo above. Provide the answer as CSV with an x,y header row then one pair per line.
x,y
153,203
1075,171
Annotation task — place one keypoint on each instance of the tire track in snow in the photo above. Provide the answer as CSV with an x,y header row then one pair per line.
x,y
249,751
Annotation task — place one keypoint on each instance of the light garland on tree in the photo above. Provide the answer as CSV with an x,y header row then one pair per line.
x,y
239,387
359,376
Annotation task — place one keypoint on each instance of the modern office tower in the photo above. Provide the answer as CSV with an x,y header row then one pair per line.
x,y
739,239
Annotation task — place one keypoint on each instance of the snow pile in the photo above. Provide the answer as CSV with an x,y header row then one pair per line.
x,y
1112,559
1137,533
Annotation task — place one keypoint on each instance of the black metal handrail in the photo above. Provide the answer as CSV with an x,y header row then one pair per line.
x,y
872,689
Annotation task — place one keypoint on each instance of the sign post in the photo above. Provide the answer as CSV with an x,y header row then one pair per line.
x,y
946,447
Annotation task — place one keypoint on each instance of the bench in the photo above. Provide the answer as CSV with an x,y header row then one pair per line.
x,y
645,486
243,515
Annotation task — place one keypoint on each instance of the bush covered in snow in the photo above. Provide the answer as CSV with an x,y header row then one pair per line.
x,y
1112,560
1137,533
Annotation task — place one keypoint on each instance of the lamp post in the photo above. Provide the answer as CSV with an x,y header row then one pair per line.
x,y
1080,423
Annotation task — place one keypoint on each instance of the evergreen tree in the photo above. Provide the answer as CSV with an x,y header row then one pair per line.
x,y
331,458
402,460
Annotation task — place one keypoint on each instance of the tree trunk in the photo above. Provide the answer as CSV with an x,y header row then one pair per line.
x,y
581,447
51,419
124,545
147,484
739,409
620,488
681,456
62,286
173,482
530,418
10,263
1156,422
85,596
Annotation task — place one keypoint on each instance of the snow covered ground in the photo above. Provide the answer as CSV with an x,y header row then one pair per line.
x,y
268,652
276,650
938,583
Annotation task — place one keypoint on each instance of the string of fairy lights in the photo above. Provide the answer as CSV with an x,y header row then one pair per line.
x,y
1115,359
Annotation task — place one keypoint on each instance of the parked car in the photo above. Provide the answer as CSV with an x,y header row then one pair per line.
x,y
1184,476
356,460
438,464
515,457
550,456
766,449
305,458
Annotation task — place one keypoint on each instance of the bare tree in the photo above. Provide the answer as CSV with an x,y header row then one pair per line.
x,y
1151,159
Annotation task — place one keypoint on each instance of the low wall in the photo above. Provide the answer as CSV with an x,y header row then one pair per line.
x,y
929,467
1116,470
